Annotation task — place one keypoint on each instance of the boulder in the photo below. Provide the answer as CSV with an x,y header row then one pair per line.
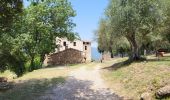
x,y
3,79
163,92
4,84
145,96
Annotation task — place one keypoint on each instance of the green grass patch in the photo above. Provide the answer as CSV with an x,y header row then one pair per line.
x,y
139,77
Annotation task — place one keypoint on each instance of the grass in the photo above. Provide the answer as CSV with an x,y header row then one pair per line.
x,y
88,66
8,74
128,80
33,84
139,77
91,66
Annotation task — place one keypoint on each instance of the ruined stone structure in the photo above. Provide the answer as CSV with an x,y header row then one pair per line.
x,y
83,46
69,52
68,56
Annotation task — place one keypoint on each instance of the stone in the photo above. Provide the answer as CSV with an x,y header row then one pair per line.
x,y
68,56
145,96
4,84
3,79
163,92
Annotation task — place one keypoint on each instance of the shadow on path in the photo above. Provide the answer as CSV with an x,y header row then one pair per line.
x,y
75,89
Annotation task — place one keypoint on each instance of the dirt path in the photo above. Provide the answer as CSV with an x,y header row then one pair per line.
x,y
82,84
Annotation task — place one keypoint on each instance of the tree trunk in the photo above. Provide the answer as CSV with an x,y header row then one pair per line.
x,y
122,55
111,52
134,56
32,64
42,58
112,55
135,52
21,69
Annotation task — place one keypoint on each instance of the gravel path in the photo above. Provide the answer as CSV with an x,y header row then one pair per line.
x,y
82,84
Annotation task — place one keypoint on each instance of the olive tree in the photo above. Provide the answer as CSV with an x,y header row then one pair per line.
x,y
132,19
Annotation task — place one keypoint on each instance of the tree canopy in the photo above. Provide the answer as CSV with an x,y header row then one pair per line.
x,y
141,23
9,9
32,32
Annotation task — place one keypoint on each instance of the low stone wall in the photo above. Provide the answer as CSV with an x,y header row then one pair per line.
x,y
106,56
68,56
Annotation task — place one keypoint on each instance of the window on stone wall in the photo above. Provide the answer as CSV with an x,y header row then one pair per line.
x,y
85,47
74,43
64,43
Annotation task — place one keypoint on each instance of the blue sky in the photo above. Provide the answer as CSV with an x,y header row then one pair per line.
x,y
89,13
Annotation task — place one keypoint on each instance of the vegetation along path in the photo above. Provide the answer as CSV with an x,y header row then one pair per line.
x,y
82,84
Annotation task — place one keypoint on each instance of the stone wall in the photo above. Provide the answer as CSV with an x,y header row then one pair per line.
x,y
106,56
68,56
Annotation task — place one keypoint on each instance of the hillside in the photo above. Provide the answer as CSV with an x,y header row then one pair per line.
x,y
124,81
139,77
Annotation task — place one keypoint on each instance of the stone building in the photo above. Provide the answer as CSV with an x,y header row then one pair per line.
x,y
83,46
69,52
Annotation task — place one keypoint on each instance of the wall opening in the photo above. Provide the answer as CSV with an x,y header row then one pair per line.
x,y
64,43
85,47
74,43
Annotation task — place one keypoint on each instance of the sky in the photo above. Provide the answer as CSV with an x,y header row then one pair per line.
x,y
88,13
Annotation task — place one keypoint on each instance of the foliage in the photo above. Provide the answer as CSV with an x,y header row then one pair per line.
x,y
134,21
101,35
9,9
43,23
10,53
32,32
166,26
108,42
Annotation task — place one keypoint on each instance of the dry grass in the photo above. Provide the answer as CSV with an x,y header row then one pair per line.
x,y
129,81
134,79
34,84
88,65
47,73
